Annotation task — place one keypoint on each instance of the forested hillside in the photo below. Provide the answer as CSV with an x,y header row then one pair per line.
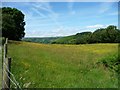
x,y
45,40
103,35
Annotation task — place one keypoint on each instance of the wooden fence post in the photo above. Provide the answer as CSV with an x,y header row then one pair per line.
x,y
5,50
9,68
6,42
6,68
6,74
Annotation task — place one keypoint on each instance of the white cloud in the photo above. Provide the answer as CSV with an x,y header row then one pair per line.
x,y
46,7
96,26
105,6
64,31
70,7
38,12
42,19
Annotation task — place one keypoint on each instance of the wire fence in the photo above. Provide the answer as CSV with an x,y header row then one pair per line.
x,y
8,77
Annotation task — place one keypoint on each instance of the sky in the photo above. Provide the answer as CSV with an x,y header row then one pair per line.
x,y
52,19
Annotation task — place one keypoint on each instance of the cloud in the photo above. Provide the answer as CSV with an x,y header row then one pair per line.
x,y
46,7
38,12
70,7
64,30
105,6
41,20
97,26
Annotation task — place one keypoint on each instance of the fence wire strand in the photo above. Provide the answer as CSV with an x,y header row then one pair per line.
x,y
5,83
10,79
15,81
6,70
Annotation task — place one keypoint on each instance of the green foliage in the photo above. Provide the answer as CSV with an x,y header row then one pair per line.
x,y
46,40
83,38
79,38
111,62
97,36
106,35
1,67
12,23
103,35
65,40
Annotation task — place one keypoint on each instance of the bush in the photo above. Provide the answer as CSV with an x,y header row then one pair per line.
x,y
111,62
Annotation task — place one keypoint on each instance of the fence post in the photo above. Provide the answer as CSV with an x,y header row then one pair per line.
x,y
6,42
5,49
6,74
9,68
6,68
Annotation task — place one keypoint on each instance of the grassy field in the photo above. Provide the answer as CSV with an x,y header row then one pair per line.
x,y
40,65
0,67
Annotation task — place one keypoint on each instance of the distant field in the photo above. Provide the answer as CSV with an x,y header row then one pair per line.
x,y
40,65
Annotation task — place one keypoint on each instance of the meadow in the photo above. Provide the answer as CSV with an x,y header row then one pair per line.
x,y
0,67
61,66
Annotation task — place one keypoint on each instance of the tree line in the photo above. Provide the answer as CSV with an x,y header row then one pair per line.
x,y
103,35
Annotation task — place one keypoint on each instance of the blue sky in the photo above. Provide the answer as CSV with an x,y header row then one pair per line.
x,y
50,19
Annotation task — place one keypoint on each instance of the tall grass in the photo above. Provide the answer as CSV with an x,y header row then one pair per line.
x,y
61,66
111,62
0,67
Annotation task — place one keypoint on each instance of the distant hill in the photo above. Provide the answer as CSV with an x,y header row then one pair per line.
x,y
103,35
74,39
45,40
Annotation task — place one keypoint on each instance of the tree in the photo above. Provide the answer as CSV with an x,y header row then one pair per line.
x,y
106,35
112,33
97,36
83,38
12,23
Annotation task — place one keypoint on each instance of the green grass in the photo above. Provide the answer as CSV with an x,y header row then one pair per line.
x,y
0,67
65,66
1,39
111,62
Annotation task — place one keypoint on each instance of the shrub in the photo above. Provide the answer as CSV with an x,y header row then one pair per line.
x,y
111,62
